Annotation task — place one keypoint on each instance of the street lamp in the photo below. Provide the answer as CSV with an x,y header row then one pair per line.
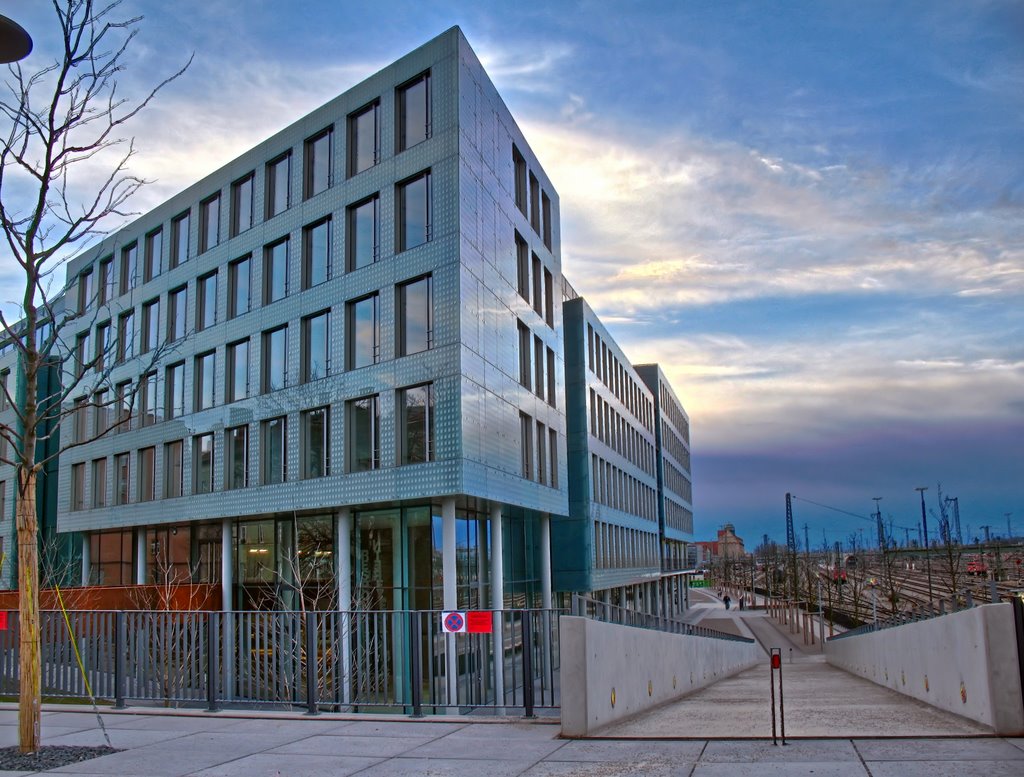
x,y
927,556
15,43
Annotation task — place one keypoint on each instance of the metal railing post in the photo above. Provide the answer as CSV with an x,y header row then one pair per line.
x,y
212,660
415,667
527,664
120,657
311,664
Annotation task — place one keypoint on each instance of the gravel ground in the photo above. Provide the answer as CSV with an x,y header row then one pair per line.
x,y
13,760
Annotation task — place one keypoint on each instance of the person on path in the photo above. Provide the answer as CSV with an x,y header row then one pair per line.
x,y
727,601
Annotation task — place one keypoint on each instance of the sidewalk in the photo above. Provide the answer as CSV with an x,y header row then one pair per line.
x,y
163,744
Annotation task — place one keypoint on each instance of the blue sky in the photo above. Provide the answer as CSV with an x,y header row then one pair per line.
x,y
812,214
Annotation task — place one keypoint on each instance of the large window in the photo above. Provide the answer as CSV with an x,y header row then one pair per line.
x,y
519,165
147,399
524,354
123,406
206,303
538,367
413,112
273,458
80,417
179,239
77,487
205,365
316,253
534,203
526,445
278,184
101,411
147,474
414,212
363,332
236,457
316,442
102,345
174,387
173,468
99,483
275,360
154,249
545,203
105,283
150,323
83,353
202,464
275,271
415,316
317,172
364,434
363,244
316,353
122,477
522,267
363,139
241,205
86,290
129,267
177,304
416,424
209,223
239,277
237,373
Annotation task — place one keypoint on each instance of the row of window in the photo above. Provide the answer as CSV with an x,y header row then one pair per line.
x,y
413,127
542,284
673,444
539,451
678,517
677,482
621,491
531,199
670,408
537,373
611,428
603,362
5,388
616,547
415,444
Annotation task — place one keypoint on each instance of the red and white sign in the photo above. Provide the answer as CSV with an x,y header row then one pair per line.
x,y
3,620
479,622
453,622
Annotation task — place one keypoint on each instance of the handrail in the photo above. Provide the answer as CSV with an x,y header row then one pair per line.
x,y
586,607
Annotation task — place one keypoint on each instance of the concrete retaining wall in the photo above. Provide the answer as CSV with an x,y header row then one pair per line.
x,y
965,662
611,672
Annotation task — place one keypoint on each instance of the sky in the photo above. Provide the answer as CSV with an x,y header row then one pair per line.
x,y
810,214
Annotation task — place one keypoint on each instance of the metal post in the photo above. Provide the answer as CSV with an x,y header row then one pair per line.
x,y
782,704
450,595
527,664
927,555
416,667
86,559
120,648
311,664
821,619
212,660
343,554
771,674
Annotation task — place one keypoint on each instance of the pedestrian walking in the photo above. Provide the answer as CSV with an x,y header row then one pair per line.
x,y
727,601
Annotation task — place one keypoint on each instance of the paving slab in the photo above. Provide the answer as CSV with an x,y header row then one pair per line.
x,y
641,767
375,746
265,765
792,769
424,729
946,769
445,767
763,751
995,749
627,750
487,742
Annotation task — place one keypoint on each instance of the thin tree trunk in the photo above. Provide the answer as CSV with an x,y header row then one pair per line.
x,y
28,624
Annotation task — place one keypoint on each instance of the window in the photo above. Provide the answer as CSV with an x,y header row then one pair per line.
x,y
99,483
5,389
538,286
278,193
154,249
202,464
416,424
179,239
81,419
209,223
522,267
364,434
316,443
176,305
150,321
545,203
553,457
147,473
526,445
549,298
122,473
174,385
237,376
363,332
123,405
203,378
126,336
105,283
316,253
414,212
239,275
236,457
273,459
542,449
86,290
241,205
101,410
363,139
524,355
83,353
551,378
317,159
413,112
129,267
275,271
538,367
206,304
519,165
415,316
316,354
77,486
173,468
147,399
534,203
102,344
275,360
363,233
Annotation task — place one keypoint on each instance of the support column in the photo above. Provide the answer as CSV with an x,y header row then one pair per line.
x,y
86,558
498,603
448,574
343,563
226,566
140,556
227,624
545,561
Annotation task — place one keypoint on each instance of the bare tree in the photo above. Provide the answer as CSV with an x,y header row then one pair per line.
x,y
63,126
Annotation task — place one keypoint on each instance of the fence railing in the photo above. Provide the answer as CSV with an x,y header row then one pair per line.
x,y
612,613
344,661
923,612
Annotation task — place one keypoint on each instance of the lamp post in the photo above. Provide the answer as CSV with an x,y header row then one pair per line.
x,y
15,43
927,556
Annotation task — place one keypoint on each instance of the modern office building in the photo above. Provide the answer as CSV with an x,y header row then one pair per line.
x,y
332,373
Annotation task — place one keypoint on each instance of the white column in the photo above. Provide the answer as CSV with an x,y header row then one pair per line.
x,y
343,566
86,557
545,561
448,574
498,602
140,556
226,566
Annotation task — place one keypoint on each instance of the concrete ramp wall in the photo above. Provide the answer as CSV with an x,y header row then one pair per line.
x,y
611,672
965,662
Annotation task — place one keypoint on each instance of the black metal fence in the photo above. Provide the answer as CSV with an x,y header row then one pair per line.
x,y
397,661
611,613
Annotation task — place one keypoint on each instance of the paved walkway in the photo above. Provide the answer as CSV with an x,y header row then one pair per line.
x,y
164,744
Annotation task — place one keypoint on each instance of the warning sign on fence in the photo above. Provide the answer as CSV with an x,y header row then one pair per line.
x,y
472,622
3,620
